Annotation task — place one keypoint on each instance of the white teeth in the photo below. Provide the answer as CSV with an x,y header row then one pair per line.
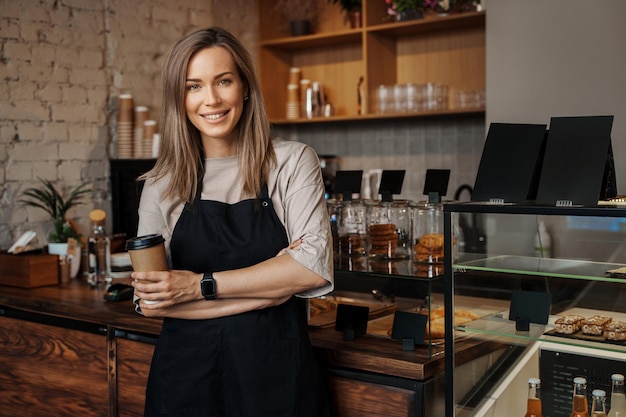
x,y
214,116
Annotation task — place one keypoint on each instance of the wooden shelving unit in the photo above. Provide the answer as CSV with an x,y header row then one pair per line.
x,y
447,50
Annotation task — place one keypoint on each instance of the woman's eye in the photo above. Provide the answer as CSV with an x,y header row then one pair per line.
x,y
224,82
192,87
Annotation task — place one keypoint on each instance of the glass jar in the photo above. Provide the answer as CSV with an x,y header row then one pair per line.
x,y
388,229
427,225
351,228
384,99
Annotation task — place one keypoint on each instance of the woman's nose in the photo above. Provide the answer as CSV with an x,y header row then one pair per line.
x,y
211,97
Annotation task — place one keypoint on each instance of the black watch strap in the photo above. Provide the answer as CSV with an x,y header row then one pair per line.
x,y
208,287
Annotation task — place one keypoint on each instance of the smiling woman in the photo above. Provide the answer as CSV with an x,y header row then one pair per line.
x,y
247,236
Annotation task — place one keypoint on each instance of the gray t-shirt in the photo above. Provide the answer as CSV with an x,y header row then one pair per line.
x,y
295,186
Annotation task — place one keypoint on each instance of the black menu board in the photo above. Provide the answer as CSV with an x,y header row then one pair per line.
x,y
578,150
348,183
510,163
436,181
391,183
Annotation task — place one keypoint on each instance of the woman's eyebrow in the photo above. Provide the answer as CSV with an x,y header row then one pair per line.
x,y
218,76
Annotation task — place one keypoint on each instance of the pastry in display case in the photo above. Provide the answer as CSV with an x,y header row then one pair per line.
x,y
388,229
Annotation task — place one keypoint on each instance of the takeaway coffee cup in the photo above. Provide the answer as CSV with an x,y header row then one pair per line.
x,y
147,253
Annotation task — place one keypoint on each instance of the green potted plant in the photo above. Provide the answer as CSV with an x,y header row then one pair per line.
x,y
52,202
352,8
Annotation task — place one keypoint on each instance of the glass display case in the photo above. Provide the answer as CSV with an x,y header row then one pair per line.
x,y
547,297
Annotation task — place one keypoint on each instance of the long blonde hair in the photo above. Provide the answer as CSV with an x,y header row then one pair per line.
x,y
181,155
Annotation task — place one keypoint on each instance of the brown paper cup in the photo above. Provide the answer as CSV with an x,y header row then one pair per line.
x,y
149,129
125,103
294,75
147,253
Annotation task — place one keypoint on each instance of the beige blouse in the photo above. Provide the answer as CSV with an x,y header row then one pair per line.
x,y
297,191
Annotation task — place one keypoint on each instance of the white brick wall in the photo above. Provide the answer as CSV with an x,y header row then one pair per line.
x,y
62,66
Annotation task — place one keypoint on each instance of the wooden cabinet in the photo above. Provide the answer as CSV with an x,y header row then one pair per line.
x,y
355,394
66,351
133,356
447,50
45,367
74,368
353,398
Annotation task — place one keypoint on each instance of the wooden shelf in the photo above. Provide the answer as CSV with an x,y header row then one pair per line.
x,y
430,23
394,29
356,118
314,40
443,49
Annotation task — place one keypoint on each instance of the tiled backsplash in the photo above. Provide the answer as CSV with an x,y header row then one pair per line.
x,y
413,144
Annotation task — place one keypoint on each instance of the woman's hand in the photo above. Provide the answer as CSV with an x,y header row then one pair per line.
x,y
294,245
166,287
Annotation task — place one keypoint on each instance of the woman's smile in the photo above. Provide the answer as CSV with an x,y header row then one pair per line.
x,y
214,116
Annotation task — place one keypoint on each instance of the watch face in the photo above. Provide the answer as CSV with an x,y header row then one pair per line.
x,y
208,288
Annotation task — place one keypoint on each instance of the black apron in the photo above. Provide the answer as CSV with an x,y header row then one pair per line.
x,y
253,364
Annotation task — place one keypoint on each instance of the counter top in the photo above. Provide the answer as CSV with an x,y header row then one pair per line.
x,y
78,301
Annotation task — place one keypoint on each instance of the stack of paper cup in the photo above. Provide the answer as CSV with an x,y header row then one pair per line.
x,y
125,126
141,115
293,101
295,74
149,130
293,93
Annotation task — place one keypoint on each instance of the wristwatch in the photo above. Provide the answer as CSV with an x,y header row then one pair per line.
x,y
207,286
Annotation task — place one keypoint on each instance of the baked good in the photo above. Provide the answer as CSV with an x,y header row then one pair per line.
x,y
433,241
615,330
424,254
381,228
320,305
383,239
569,324
437,321
595,325
351,244
429,248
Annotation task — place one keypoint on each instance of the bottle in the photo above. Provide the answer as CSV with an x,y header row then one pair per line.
x,y
618,396
533,407
99,247
580,406
84,257
598,407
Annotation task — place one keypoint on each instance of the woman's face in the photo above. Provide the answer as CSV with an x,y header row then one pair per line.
x,y
214,95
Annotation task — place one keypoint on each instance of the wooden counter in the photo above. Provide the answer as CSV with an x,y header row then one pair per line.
x,y
78,301
98,353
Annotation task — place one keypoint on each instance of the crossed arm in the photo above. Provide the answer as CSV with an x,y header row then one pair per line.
x,y
269,283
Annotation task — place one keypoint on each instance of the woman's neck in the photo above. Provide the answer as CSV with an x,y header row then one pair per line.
x,y
219,148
